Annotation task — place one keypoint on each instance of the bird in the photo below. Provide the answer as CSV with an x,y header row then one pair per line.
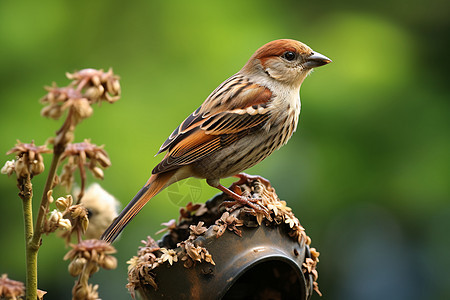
x,y
244,120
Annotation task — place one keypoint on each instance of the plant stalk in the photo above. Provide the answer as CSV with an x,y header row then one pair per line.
x,y
26,193
33,237
43,207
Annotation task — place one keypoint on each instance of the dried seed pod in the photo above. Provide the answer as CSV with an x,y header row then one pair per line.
x,y
84,223
21,167
49,196
109,262
76,266
65,224
55,216
37,167
94,92
98,173
63,203
103,159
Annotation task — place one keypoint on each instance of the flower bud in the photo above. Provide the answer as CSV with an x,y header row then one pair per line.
x,y
109,262
45,111
63,203
61,97
76,266
87,254
113,86
94,92
21,167
96,80
83,108
84,223
49,196
50,97
97,172
55,216
70,75
116,86
55,112
78,211
103,160
8,168
80,292
52,111
37,167
64,224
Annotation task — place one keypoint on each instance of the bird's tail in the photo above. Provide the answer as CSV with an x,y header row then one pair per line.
x,y
153,186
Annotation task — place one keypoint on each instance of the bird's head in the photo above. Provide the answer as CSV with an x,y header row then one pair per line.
x,y
286,61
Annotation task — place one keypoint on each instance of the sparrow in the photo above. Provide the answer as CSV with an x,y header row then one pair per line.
x,y
243,121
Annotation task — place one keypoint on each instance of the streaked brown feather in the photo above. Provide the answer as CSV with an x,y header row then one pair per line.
x,y
153,186
212,127
230,123
192,148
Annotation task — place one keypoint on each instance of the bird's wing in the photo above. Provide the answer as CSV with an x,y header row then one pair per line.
x,y
233,110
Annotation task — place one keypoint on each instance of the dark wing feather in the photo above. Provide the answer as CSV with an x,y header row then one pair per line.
x,y
192,119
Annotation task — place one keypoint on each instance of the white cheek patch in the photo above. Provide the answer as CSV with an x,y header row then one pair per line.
x,y
273,73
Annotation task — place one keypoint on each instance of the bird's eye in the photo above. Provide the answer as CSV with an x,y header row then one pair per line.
x,y
289,55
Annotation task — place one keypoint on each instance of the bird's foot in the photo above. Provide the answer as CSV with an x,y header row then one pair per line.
x,y
243,200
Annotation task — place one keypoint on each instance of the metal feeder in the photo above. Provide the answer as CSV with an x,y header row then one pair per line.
x,y
263,263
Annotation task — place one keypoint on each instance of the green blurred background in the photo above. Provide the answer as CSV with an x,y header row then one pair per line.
x,y
367,172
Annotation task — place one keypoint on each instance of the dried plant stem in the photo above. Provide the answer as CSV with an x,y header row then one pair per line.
x,y
33,239
83,180
26,193
43,207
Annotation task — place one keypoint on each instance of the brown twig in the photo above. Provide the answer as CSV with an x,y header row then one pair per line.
x,y
43,207
82,179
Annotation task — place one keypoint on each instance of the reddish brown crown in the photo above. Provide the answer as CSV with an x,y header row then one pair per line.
x,y
278,47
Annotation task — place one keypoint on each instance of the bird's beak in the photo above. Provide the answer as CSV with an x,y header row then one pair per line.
x,y
316,60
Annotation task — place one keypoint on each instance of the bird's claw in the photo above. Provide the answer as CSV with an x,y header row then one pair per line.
x,y
247,201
